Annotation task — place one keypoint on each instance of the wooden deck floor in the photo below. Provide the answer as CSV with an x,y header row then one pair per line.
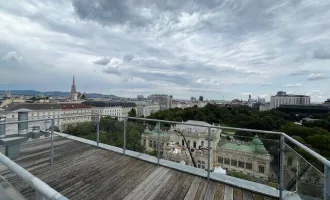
x,y
81,172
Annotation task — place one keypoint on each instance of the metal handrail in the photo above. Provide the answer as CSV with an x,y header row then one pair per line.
x,y
305,148
33,181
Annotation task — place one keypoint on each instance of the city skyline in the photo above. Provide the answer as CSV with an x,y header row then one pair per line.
x,y
183,48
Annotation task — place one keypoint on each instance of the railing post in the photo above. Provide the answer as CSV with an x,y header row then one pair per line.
x,y
52,141
98,130
158,142
40,196
125,125
326,182
281,178
209,153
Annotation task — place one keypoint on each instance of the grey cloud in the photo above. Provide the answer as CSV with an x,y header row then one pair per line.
x,y
179,79
13,56
292,85
322,53
299,73
112,70
103,61
128,58
317,76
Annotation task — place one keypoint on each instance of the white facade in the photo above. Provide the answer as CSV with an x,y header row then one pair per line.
x,y
109,111
146,109
276,101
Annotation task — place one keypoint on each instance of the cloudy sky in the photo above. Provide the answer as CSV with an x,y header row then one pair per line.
x,y
214,48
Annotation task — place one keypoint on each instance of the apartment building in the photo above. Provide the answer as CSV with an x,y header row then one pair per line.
x,y
111,108
288,99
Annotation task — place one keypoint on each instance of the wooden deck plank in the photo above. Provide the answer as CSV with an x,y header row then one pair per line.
x,y
132,182
143,193
82,171
229,192
220,192
157,186
247,195
201,190
210,192
238,194
142,185
184,188
193,189
176,187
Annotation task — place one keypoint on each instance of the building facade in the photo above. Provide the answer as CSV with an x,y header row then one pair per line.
x,y
250,158
282,98
164,101
146,109
111,108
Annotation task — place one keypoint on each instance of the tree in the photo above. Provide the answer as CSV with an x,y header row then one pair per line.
x,y
132,113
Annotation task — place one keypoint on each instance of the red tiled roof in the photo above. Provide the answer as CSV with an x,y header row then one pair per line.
x,y
74,106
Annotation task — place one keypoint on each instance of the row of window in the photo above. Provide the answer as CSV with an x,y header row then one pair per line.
x,y
239,164
194,143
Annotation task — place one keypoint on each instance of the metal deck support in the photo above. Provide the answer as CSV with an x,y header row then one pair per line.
x,y
281,178
326,182
98,130
124,145
158,142
209,153
52,142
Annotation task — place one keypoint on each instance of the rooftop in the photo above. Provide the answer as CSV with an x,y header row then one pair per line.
x,y
82,171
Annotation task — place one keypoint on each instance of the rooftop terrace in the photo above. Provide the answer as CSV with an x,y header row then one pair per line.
x,y
83,171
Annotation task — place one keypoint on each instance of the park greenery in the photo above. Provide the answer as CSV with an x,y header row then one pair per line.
x,y
314,134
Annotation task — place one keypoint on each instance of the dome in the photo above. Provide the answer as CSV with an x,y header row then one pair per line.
x,y
147,131
256,141
261,149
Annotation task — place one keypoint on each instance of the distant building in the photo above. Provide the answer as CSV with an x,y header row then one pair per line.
x,y
308,108
146,109
165,101
74,95
111,108
282,98
250,158
140,96
201,98
193,98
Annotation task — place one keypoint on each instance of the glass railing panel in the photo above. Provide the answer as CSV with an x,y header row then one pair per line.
x,y
111,131
250,156
8,192
301,177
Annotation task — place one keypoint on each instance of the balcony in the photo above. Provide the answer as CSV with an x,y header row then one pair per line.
x,y
89,168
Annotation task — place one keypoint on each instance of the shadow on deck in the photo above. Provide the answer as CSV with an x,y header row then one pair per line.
x,y
82,171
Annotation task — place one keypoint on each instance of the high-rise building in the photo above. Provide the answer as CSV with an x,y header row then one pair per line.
x,y
73,93
165,101
201,98
282,98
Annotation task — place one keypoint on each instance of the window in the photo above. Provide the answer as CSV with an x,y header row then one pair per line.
x,y
12,116
202,143
182,142
261,169
227,161
155,145
150,143
220,159
195,144
188,143
144,142
199,164
234,162
249,165
241,164
203,165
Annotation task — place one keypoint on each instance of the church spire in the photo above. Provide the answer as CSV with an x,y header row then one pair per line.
x,y
73,81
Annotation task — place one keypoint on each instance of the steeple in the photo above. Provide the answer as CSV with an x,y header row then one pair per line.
x,y
73,81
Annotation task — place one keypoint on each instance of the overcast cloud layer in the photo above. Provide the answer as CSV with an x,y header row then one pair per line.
x,y
214,48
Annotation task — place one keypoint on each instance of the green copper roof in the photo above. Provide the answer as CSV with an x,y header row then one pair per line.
x,y
256,146
154,132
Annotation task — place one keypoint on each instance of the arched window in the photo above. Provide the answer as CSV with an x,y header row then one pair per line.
x,y
203,165
248,164
150,143
202,143
241,163
199,164
233,161
188,143
195,144
182,142
220,159
155,145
